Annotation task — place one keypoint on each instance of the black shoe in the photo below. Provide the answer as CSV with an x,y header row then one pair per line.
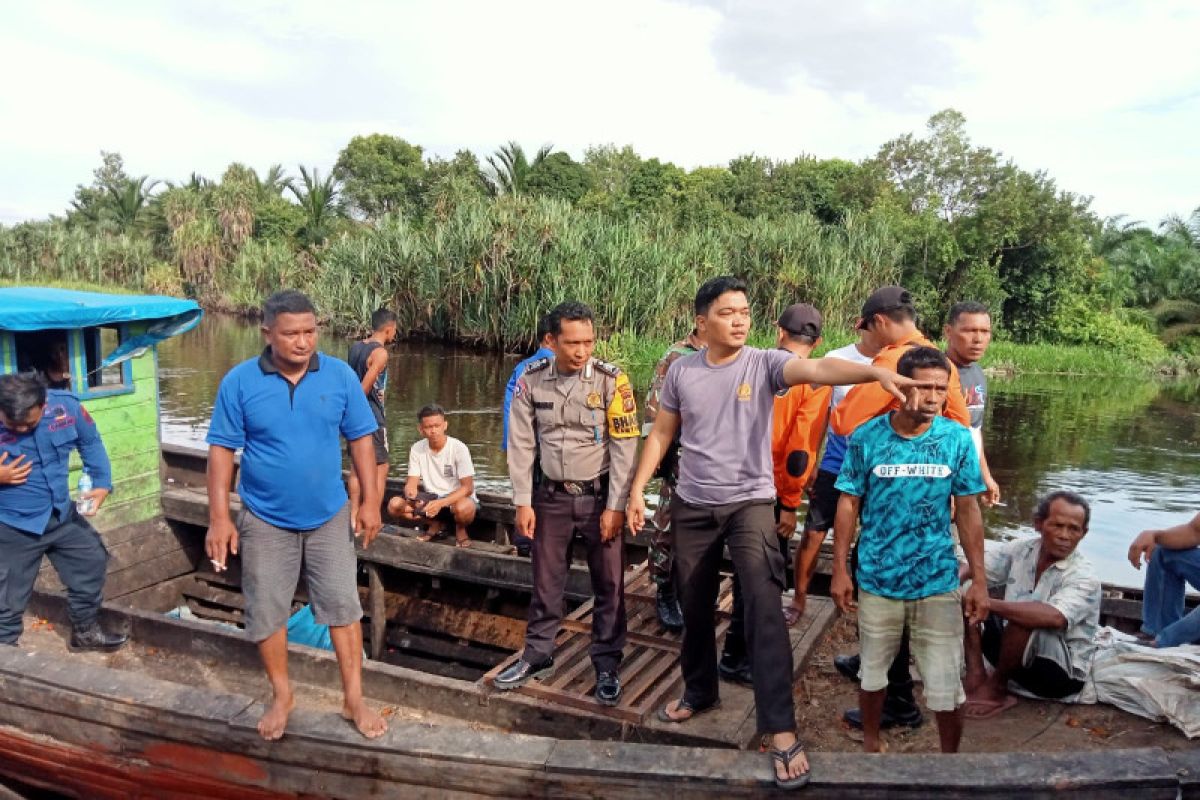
x,y
848,666
93,637
898,717
522,672
735,670
608,688
669,613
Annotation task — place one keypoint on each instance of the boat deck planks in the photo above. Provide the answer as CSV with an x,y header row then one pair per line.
x,y
649,672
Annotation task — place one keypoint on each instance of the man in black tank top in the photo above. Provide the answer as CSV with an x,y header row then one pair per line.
x,y
369,360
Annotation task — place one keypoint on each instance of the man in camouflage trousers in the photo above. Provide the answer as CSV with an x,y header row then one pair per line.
x,y
669,613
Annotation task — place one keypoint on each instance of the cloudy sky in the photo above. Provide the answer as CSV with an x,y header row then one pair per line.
x,y
1105,96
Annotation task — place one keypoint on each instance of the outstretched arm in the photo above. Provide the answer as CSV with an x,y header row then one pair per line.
x,y
839,372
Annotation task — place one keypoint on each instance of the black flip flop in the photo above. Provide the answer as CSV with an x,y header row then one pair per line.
x,y
785,757
684,705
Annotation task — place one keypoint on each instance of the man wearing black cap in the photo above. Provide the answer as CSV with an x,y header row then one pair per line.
x,y
890,315
801,416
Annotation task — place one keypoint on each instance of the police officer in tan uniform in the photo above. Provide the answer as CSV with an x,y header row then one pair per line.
x,y
581,413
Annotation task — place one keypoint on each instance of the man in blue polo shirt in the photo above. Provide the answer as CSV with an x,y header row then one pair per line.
x,y
288,410
38,431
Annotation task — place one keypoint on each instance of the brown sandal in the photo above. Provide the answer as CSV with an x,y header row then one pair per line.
x,y
664,714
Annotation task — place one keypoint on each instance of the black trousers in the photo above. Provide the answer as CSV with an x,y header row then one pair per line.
x,y
559,517
78,556
748,530
734,649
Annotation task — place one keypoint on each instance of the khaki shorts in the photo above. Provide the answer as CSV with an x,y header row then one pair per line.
x,y
273,560
935,626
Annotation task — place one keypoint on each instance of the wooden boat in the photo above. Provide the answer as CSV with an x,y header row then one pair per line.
x,y
174,714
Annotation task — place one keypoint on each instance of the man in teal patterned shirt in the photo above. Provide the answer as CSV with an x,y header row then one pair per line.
x,y
901,472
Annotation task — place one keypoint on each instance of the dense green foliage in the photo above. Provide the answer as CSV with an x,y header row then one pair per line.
x,y
474,252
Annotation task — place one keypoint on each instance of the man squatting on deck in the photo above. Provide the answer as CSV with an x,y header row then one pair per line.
x,y
441,465
1039,634
38,431
574,418
720,401
288,410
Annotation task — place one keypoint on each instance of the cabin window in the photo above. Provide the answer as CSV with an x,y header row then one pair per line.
x,y
46,352
98,381
70,359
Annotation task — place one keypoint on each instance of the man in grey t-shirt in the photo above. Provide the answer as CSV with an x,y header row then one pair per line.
x,y
968,333
720,401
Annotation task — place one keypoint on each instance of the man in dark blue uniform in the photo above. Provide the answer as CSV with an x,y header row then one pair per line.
x,y
38,430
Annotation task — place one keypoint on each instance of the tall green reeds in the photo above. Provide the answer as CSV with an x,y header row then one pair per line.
x,y
483,271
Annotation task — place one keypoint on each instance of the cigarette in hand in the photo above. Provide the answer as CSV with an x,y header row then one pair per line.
x,y
219,566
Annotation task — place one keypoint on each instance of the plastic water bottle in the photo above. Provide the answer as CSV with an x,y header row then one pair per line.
x,y
84,503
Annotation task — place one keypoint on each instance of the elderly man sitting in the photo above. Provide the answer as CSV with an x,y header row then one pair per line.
x,y
1173,560
1040,635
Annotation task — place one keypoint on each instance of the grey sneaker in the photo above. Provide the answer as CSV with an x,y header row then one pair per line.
x,y
522,672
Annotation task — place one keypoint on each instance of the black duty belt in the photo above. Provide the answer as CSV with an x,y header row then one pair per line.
x,y
595,486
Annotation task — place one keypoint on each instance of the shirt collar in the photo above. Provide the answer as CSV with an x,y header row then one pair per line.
x,y
268,366
1034,550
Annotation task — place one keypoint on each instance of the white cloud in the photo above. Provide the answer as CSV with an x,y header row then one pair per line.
x,y
1106,98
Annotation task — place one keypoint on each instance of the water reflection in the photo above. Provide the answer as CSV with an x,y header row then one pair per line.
x,y
1131,447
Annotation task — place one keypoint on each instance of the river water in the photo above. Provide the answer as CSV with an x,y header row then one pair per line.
x,y
1132,447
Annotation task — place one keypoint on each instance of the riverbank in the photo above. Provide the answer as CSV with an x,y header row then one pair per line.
x,y
639,354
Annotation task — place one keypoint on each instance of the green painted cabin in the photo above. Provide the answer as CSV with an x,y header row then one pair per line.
x,y
40,325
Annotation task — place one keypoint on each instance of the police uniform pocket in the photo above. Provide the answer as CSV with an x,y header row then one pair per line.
x,y
593,423
63,439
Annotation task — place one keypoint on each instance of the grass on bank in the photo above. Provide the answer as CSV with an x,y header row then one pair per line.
x,y
639,354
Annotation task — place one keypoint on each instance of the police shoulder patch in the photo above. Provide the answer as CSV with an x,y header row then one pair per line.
x,y
607,368
539,364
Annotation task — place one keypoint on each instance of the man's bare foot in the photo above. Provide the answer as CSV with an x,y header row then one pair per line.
x,y
972,681
988,691
986,709
274,720
369,723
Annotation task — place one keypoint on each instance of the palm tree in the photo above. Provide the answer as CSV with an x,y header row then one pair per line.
x,y
510,168
275,181
318,200
1185,232
127,199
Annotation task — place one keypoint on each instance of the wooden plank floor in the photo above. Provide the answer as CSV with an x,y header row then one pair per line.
x,y
650,670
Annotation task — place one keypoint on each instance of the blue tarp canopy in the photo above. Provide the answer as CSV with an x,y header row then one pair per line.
x,y
31,308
